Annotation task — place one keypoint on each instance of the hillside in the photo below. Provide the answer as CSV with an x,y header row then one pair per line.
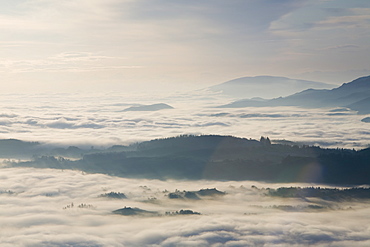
x,y
354,95
222,158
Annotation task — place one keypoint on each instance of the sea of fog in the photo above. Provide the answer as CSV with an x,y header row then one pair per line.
x,y
45,207
35,210
100,120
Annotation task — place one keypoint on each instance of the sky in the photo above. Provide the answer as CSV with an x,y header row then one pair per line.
x,y
150,45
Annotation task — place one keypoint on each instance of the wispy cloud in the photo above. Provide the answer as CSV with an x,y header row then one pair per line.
x,y
344,47
357,20
67,62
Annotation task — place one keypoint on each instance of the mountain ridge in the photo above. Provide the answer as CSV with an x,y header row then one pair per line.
x,y
249,87
354,95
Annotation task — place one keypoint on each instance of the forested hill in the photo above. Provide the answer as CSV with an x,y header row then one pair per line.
x,y
186,144
221,158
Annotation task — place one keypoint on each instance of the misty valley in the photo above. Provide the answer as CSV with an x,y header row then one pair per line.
x,y
205,168
46,205
202,190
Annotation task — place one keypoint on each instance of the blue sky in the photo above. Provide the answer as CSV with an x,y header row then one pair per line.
x,y
94,45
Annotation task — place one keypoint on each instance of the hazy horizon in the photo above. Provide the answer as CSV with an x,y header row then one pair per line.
x,y
95,46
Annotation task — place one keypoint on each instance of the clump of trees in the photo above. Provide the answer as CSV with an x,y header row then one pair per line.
x,y
299,207
183,212
265,141
82,205
114,195
195,195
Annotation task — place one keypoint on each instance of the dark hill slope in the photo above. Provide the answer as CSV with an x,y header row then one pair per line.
x,y
223,158
362,106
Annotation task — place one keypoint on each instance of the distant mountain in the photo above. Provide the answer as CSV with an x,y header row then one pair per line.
x,y
354,95
266,86
154,107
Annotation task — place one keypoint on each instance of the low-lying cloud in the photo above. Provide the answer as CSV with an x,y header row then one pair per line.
x,y
65,124
34,213
76,119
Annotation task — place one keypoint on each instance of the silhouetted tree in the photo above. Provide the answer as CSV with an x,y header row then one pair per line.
x,y
265,141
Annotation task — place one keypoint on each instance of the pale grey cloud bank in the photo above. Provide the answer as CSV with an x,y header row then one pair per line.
x,y
33,214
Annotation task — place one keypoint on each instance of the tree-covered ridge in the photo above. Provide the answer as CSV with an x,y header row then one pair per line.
x,y
130,211
221,158
182,212
193,143
323,193
195,195
114,195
